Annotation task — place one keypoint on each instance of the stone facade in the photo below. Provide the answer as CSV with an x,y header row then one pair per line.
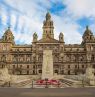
x,y
28,59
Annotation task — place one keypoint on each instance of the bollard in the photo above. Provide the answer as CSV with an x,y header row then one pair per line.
x,y
9,84
32,83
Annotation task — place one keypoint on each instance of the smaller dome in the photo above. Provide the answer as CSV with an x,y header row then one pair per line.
x,y
8,32
88,35
8,36
87,31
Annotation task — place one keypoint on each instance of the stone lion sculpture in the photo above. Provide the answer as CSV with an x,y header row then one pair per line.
x,y
90,72
6,77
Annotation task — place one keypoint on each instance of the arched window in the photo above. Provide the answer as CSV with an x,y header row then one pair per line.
x,y
68,72
68,58
92,57
33,71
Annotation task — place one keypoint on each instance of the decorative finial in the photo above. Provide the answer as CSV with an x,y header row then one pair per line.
x,y
87,27
9,27
48,16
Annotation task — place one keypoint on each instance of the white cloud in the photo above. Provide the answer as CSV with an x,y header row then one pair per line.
x,y
28,7
69,29
92,28
80,8
13,20
23,38
3,15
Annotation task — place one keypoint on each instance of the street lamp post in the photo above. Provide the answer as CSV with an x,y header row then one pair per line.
x,y
83,80
46,80
9,84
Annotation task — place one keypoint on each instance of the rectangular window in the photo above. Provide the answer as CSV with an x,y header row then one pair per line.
x,y
82,66
27,66
75,66
68,66
13,66
40,71
27,72
93,66
20,66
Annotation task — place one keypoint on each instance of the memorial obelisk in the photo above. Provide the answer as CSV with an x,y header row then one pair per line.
x,y
47,66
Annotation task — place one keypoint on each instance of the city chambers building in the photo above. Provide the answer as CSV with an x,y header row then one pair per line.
x,y
68,59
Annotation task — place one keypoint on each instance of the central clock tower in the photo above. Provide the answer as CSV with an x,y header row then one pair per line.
x,y
48,27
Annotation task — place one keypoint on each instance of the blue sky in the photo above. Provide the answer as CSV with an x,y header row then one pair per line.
x,y
26,17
